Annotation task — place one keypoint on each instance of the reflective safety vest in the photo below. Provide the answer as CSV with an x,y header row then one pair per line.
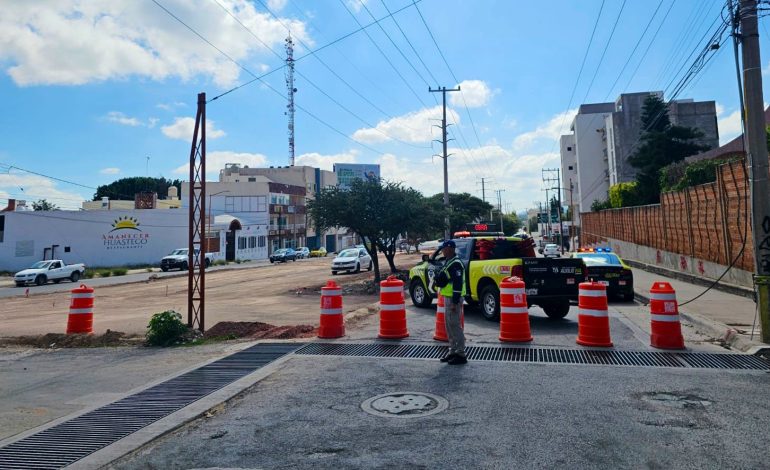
x,y
448,289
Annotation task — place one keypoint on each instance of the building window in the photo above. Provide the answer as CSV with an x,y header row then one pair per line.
x,y
252,180
241,243
2,228
252,242
66,249
245,204
569,167
261,241
569,149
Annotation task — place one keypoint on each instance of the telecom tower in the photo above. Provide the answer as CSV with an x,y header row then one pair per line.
x,y
292,90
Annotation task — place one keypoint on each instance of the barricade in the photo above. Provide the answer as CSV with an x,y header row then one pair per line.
x,y
81,316
593,317
514,315
332,321
392,309
441,334
666,330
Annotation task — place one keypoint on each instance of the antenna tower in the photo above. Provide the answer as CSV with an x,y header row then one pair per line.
x,y
290,88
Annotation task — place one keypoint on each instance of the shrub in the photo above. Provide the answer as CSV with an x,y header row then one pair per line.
x,y
624,195
220,262
89,274
119,271
105,273
680,175
149,270
166,328
598,205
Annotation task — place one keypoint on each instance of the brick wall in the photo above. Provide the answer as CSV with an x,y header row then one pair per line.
x,y
707,222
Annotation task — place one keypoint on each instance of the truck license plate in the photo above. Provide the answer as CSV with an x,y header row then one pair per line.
x,y
604,283
531,291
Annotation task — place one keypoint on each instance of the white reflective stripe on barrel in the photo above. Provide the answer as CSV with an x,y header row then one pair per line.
x,y
517,310
593,293
392,289
331,311
593,313
392,306
441,310
669,318
512,290
83,296
81,310
331,292
659,296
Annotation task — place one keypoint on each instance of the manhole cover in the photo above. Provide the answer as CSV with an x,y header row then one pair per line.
x,y
405,405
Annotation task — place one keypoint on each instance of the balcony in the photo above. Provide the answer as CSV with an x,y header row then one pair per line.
x,y
287,209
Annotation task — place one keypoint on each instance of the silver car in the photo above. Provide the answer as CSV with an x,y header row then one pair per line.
x,y
352,259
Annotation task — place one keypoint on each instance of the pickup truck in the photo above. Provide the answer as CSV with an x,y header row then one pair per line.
x,y
179,259
550,283
50,270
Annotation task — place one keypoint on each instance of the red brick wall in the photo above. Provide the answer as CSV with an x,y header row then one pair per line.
x,y
708,222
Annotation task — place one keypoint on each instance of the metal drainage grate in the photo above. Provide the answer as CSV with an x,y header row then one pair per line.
x,y
545,355
70,441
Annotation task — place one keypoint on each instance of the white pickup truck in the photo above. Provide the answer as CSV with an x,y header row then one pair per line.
x,y
179,259
50,270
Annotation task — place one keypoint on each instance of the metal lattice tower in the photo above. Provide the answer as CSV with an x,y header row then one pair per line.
x,y
196,274
290,88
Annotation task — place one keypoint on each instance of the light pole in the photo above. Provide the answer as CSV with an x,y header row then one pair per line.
x,y
208,229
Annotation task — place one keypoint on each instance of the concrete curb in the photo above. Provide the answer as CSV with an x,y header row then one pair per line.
x,y
689,278
714,329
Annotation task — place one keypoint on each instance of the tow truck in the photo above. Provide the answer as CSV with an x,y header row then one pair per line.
x,y
551,283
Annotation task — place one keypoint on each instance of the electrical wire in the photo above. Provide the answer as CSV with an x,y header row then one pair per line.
x,y
419,57
604,52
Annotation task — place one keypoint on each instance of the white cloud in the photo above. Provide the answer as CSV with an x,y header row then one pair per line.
x,y
476,94
414,127
356,5
183,128
551,130
729,125
215,161
326,162
276,5
72,42
170,106
109,171
120,118
32,188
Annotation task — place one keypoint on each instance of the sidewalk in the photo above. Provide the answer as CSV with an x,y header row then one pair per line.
x,y
716,313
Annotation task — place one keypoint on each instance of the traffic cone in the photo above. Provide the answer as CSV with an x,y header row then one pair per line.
x,y
392,309
441,334
332,321
514,316
81,316
593,317
666,330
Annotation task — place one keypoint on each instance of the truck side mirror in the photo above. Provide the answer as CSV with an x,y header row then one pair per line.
x,y
425,258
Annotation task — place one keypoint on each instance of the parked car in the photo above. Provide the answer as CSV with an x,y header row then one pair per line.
x,y
318,252
283,255
178,259
551,250
303,252
51,270
352,259
609,269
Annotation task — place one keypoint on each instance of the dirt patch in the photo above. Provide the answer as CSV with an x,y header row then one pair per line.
x,y
259,330
59,340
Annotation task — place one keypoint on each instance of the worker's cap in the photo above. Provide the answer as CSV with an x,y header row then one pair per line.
x,y
448,244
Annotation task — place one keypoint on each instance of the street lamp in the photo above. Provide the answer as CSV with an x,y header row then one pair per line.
x,y
208,230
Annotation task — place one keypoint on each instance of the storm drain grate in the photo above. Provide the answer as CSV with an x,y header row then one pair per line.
x,y
544,355
70,441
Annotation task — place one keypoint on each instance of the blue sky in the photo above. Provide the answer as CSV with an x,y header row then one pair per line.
x,y
93,88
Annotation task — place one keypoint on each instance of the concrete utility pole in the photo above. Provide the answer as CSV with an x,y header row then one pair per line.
x,y
443,91
500,207
757,159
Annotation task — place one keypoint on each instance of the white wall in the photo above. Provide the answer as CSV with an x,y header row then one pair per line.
x,y
591,164
93,237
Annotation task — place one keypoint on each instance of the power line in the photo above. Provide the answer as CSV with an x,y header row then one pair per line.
x,y
410,44
10,167
606,46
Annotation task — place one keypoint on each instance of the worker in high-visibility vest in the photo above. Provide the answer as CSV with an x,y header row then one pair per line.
x,y
451,281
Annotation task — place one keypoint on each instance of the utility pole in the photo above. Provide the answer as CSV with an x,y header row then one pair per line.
x,y
443,91
757,160
572,211
549,181
500,207
291,90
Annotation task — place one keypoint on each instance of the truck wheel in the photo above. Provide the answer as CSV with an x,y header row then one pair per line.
x,y
358,268
164,268
56,281
490,302
208,262
75,276
420,296
40,280
557,310
184,267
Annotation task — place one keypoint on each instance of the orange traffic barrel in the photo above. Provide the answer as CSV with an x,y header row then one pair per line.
x,y
666,331
514,315
593,317
441,334
81,317
332,321
392,309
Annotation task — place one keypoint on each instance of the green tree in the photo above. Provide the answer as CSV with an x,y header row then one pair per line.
x,y
661,145
126,188
377,211
511,223
463,209
43,205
